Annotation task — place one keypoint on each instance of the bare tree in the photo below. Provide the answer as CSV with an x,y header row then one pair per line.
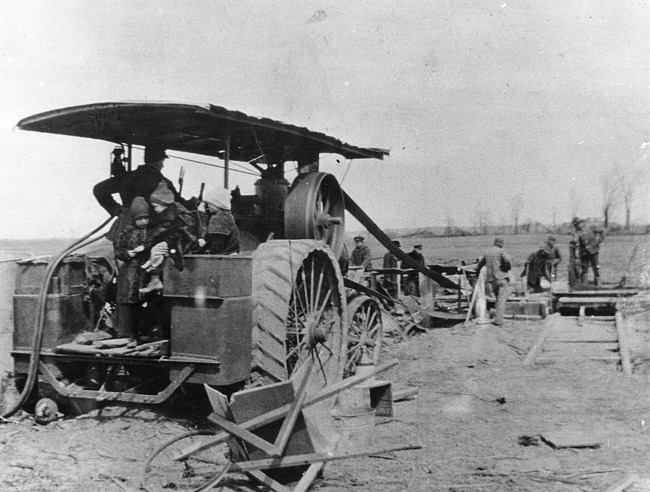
x,y
611,189
516,204
630,179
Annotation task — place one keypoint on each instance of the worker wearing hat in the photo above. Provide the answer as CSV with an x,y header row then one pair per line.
x,y
141,182
361,255
554,257
497,265
412,286
587,242
535,269
390,279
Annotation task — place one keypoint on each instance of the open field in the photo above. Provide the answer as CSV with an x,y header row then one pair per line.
x,y
614,256
615,251
479,415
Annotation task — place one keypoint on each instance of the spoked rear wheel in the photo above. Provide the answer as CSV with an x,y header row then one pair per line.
x,y
299,312
364,332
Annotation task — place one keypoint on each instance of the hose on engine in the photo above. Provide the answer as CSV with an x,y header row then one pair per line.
x,y
37,338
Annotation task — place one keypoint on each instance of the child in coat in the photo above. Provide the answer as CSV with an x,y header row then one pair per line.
x,y
173,233
131,246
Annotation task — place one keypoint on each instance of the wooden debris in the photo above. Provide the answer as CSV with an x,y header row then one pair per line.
x,y
623,484
112,343
405,394
539,344
571,438
624,344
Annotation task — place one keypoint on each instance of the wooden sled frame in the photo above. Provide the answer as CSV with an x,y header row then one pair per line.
x,y
277,450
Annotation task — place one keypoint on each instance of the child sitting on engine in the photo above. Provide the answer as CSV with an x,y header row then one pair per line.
x,y
173,233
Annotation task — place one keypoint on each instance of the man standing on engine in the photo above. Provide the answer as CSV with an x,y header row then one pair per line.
x,y
141,182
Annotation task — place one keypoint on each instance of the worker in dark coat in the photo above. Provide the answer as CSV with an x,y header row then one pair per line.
x,y
497,265
412,285
390,279
587,241
535,269
554,258
361,255
141,182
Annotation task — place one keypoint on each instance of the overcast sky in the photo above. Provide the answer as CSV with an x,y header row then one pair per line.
x,y
478,101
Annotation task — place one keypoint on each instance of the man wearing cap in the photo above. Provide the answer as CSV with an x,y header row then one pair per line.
x,y
535,269
361,255
390,279
141,182
588,245
413,280
497,265
554,258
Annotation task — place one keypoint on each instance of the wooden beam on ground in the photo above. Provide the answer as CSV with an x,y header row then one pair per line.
x,y
589,301
536,349
623,344
622,292
545,360
623,484
572,438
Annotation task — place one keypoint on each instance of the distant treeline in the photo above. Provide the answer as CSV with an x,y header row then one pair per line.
x,y
507,230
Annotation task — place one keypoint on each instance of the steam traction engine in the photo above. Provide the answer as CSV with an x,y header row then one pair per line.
x,y
251,317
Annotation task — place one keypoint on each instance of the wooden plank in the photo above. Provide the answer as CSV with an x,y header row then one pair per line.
x,y
574,346
264,479
578,339
623,484
624,344
572,438
542,360
294,410
587,332
624,291
308,477
307,459
536,349
589,300
243,434
250,403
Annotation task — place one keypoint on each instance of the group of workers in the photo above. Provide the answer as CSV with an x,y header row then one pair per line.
x,y
540,264
362,257
155,223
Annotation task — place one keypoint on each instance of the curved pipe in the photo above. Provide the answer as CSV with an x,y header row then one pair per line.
x,y
37,339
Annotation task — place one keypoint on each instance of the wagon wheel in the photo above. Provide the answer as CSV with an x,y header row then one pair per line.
x,y
314,209
299,311
364,332
162,471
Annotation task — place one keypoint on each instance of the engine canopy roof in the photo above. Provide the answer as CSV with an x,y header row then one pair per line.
x,y
193,128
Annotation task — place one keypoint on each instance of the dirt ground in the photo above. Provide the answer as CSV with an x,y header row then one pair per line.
x,y
478,416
